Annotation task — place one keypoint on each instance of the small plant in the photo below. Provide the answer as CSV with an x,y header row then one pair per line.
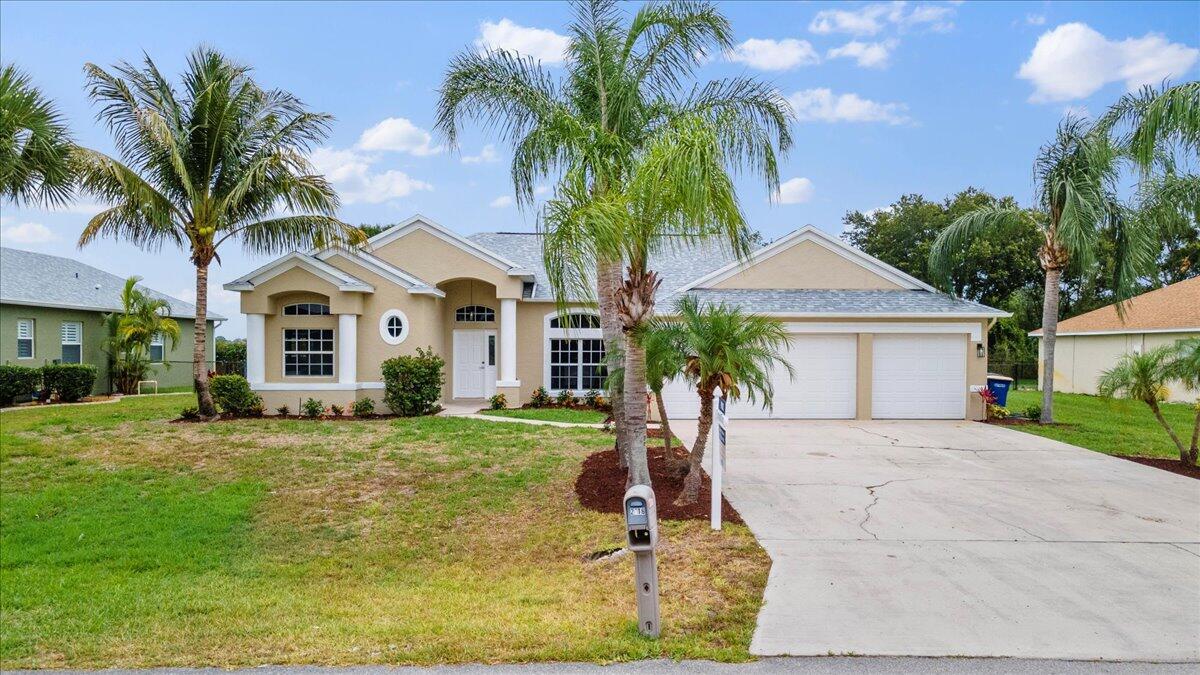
x,y
566,397
312,408
363,407
283,410
593,398
498,402
191,412
336,410
997,412
540,398
257,409
1033,412
412,385
232,393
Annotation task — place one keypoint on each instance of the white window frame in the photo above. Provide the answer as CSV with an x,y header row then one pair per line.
x,y
157,340
475,313
284,352
63,340
386,334
549,334
310,305
31,325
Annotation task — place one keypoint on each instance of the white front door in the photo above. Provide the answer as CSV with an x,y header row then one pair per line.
x,y
919,377
474,363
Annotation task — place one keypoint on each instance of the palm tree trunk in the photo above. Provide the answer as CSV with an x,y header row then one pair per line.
x,y
1183,451
208,409
1049,335
1194,451
691,483
634,399
608,278
665,426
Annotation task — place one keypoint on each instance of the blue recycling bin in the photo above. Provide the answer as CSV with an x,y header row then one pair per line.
x,y
999,386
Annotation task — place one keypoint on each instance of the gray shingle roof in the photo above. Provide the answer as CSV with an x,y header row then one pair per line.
x,y
676,265
48,280
814,301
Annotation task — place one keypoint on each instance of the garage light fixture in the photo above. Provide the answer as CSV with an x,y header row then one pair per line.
x,y
979,350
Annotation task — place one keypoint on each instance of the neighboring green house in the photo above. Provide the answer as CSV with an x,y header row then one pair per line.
x,y
51,310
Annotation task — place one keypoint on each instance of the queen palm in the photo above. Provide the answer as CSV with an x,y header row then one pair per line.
x,y
726,348
219,160
622,109
1157,119
1143,377
1075,179
1185,368
131,332
35,146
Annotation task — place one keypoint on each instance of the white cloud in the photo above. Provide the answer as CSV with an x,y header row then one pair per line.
x,y
872,19
351,173
822,105
1035,19
795,191
540,43
1074,61
397,134
27,233
541,190
503,201
486,155
867,54
774,54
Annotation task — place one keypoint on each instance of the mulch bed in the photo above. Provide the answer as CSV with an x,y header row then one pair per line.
x,y
238,418
1172,465
601,487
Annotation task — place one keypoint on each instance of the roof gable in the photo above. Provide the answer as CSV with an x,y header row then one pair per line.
x,y
829,263
451,238
1174,308
343,281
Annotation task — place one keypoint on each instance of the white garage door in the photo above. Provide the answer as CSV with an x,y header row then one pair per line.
x,y
919,377
823,386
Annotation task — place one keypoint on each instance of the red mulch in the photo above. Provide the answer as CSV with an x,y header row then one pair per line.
x,y
1172,465
225,417
601,487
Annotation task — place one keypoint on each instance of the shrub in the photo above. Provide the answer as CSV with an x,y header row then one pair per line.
x,y
337,410
257,409
566,397
71,381
18,382
283,410
498,402
540,398
412,385
190,413
997,412
312,408
232,393
1033,412
363,407
593,398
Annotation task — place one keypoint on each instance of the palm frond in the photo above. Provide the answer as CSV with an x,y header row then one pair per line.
x,y
35,145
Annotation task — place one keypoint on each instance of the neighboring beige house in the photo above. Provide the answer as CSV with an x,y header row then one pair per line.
x,y
1091,343
868,340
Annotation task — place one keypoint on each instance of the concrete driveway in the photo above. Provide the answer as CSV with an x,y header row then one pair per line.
x,y
960,538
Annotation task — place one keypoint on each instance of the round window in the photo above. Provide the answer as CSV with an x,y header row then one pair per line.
x,y
393,326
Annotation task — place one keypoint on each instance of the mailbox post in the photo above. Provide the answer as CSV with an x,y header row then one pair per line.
x,y
717,455
641,529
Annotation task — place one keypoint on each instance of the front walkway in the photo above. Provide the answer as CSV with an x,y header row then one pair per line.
x,y
960,538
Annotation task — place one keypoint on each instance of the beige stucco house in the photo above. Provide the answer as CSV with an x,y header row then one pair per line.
x,y
868,340
1091,343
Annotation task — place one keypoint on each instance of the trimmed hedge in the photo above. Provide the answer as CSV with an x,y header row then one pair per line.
x,y
232,393
412,385
18,381
71,381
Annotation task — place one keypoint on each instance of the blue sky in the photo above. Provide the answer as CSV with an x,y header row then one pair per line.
x,y
893,98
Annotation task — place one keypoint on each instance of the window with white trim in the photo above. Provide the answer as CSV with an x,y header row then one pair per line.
x,y
574,352
306,309
393,326
72,342
24,338
474,314
157,348
307,352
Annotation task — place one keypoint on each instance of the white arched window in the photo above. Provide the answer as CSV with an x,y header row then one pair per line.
x,y
474,314
574,352
306,309
393,326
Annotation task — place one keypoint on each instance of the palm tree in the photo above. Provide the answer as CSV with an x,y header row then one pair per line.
x,y
1143,377
615,132
1185,368
664,362
131,332
35,146
221,160
727,348
1158,118
1076,193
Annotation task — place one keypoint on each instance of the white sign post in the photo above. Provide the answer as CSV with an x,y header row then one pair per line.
x,y
718,456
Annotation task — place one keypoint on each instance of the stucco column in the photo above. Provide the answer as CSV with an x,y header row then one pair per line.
x,y
256,353
508,343
347,348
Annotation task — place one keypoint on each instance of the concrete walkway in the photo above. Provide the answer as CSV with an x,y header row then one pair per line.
x,y
964,539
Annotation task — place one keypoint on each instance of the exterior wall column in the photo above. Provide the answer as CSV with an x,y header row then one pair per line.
x,y
347,341
256,353
508,384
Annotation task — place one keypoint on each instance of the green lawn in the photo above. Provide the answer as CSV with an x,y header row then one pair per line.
x,y
1114,427
551,414
126,541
